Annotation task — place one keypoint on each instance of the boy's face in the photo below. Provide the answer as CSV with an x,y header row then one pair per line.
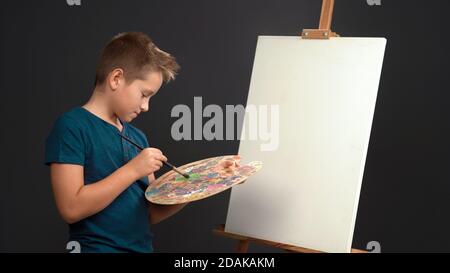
x,y
130,99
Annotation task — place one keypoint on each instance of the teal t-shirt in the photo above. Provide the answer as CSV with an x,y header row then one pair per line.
x,y
80,137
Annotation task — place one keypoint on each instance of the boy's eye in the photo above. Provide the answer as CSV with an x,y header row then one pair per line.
x,y
143,95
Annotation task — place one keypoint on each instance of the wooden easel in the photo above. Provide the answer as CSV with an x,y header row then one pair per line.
x,y
323,32
244,241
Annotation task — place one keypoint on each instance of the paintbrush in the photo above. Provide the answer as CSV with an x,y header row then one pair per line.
x,y
185,175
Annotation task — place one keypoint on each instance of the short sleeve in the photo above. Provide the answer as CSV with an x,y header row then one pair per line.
x,y
65,143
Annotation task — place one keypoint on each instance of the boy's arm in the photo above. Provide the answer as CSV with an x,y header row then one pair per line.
x,y
159,213
76,201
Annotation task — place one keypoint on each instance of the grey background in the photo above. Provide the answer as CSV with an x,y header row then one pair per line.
x,y
48,56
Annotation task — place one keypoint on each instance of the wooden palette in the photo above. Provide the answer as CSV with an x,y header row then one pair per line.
x,y
207,177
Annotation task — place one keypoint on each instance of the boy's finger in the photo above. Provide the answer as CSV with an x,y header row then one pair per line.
x,y
154,150
227,163
159,163
160,158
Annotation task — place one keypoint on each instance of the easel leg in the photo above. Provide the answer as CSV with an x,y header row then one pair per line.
x,y
242,246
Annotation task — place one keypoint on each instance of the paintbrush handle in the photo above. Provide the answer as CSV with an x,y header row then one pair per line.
x,y
132,142
175,169
164,162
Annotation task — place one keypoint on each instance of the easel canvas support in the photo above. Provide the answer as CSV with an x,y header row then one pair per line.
x,y
324,30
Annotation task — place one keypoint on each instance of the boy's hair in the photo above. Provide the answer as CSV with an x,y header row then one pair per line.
x,y
136,54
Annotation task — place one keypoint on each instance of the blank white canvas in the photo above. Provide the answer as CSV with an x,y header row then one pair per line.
x,y
308,190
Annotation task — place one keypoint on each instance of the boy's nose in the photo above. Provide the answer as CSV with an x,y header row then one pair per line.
x,y
144,107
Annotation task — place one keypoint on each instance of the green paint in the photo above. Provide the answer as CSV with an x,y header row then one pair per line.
x,y
192,176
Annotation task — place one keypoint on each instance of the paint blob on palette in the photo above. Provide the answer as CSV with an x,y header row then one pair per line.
x,y
207,177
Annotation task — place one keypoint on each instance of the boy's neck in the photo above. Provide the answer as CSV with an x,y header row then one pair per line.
x,y
99,105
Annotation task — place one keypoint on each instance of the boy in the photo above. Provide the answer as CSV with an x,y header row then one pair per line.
x,y
98,179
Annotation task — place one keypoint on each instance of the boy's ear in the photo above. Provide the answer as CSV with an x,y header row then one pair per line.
x,y
115,78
